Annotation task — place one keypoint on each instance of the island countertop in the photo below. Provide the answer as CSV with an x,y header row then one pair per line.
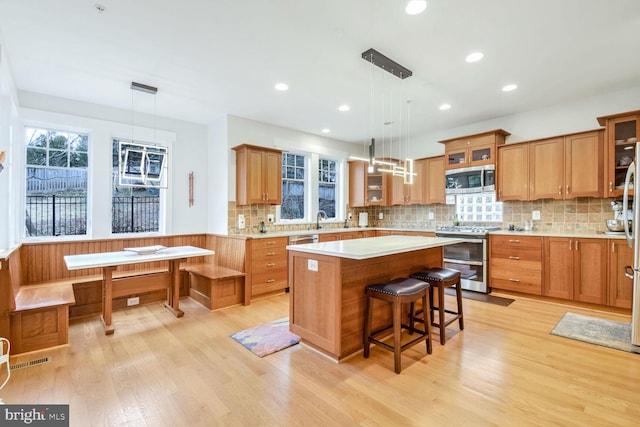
x,y
371,247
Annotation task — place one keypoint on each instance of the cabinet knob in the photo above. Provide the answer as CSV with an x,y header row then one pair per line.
x,y
271,280
610,186
271,264
514,241
271,243
271,253
567,189
514,257
560,189
514,280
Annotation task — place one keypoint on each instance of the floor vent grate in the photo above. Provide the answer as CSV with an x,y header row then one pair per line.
x,y
30,363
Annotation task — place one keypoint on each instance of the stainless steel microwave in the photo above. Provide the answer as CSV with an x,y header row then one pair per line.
x,y
471,180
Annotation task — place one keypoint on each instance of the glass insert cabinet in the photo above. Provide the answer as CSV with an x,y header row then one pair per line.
x,y
621,137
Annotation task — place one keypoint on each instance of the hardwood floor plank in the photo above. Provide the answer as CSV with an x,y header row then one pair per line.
x,y
504,369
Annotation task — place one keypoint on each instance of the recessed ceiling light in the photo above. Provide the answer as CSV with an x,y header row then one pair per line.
x,y
326,130
415,7
474,57
509,87
281,86
344,107
445,107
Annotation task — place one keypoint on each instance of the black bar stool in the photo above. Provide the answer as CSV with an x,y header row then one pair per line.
x,y
397,292
442,278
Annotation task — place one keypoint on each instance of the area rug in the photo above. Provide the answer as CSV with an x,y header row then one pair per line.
x,y
268,338
593,330
477,296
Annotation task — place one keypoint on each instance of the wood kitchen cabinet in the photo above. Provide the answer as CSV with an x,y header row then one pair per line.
x,y
575,269
620,286
513,172
268,264
566,167
516,263
434,183
409,194
258,175
366,189
473,150
622,131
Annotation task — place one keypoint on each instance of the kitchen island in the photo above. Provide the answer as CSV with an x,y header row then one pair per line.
x,y
327,283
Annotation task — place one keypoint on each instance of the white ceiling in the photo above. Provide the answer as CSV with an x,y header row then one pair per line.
x,y
214,57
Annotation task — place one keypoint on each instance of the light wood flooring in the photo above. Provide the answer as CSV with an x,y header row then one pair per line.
x,y
504,369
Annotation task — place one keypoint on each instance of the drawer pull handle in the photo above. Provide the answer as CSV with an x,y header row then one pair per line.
x,y
514,280
271,243
271,264
271,280
514,257
271,253
514,241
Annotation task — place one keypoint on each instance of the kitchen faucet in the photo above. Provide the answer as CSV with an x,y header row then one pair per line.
x,y
320,214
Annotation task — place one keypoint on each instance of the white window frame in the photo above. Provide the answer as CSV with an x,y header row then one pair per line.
x,y
311,186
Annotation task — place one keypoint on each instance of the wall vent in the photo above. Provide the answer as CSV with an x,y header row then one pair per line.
x,y
30,363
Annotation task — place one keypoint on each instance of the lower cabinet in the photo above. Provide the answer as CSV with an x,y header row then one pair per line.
x,y
575,269
620,286
268,265
516,263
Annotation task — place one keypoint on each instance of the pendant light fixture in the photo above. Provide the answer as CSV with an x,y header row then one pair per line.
x,y
389,164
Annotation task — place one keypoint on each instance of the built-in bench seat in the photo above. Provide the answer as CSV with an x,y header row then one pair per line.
x,y
215,286
41,294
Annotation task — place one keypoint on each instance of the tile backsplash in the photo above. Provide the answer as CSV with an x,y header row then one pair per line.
x,y
581,214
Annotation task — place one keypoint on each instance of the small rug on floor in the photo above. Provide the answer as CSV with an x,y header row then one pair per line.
x,y
593,330
268,338
477,296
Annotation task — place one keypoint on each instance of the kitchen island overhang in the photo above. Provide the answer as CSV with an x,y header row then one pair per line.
x,y
327,285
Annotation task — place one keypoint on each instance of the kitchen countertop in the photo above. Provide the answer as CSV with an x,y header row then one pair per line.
x,y
559,233
541,233
371,247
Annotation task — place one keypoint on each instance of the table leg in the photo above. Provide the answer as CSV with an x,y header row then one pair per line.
x,y
173,294
107,299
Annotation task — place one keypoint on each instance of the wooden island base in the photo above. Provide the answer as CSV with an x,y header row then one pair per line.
x,y
327,301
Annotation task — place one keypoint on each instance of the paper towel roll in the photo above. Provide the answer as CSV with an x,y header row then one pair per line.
x,y
363,219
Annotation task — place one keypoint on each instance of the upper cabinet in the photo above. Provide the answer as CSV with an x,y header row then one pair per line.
x,y
473,150
409,194
622,131
566,167
513,172
366,189
434,180
258,175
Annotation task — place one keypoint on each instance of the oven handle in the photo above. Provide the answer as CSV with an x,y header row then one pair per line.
x,y
464,239
458,261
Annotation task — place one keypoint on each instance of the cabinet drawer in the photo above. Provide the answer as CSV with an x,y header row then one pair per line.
x,y
268,264
524,287
525,253
528,271
268,243
267,281
269,255
517,241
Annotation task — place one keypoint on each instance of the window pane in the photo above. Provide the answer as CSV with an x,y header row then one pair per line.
x,y
36,156
56,194
327,187
293,185
58,158
134,209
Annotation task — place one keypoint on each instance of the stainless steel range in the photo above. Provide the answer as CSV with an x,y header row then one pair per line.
x,y
470,256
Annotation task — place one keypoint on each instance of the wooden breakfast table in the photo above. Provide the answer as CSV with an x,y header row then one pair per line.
x,y
109,261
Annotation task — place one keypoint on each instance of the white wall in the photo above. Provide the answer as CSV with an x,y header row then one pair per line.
x,y
219,166
559,119
187,144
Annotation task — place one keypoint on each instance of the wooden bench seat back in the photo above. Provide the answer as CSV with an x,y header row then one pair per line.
x,y
46,260
230,251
